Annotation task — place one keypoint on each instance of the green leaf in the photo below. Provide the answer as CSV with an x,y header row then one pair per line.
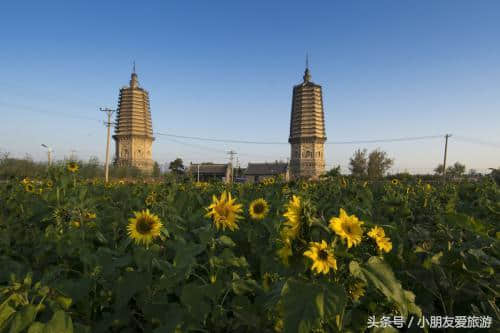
x,y
174,317
37,327
64,302
79,328
23,319
333,300
466,222
246,312
61,323
6,311
100,237
130,284
77,290
226,241
193,298
229,259
185,253
301,313
377,272
242,286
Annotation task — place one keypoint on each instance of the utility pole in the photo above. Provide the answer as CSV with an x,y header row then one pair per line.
x,y
445,153
109,113
231,154
49,153
198,172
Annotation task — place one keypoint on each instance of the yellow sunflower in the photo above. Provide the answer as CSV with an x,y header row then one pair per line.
x,y
224,211
29,188
357,291
72,167
322,256
144,227
395,182
150,199
376,232
384,244
347,227
258,209
268,181
201,185
293,215
90,215
26,181
285,252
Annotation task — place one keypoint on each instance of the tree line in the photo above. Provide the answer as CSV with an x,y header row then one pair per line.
x,y
373,165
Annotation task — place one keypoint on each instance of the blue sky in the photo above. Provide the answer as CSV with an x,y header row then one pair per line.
x,y
225,69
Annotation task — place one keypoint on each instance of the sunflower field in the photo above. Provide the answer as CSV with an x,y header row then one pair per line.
x,y
78,255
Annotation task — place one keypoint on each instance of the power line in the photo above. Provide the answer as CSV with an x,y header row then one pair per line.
x,y
352,142
286,143
31,109
414,138
477,141
198,146
219,140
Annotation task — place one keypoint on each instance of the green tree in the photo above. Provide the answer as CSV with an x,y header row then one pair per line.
x,y
456,170
177,166
495,174
156,170
358,163
334,172
439,170
378,164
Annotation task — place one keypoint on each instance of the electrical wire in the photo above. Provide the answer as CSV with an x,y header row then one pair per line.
x,y
476,141
286,143
233,141
31,109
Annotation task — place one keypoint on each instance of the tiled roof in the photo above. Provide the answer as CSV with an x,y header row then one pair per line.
x,y
209,168
266,168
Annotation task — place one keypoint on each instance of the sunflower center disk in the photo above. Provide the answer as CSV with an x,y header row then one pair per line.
x,y
322,255
347,228
258,208
144,226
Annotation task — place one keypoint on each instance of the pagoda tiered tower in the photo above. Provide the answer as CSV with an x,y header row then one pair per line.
x,y
307,130
133,129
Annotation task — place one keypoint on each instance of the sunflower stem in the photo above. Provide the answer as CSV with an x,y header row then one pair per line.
x,y
199,277
320,225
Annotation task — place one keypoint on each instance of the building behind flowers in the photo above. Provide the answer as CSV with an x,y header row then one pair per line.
x,y
134,131
307,130
134,136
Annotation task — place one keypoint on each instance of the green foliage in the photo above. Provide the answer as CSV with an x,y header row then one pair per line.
x,y
358,163
378,164
65,270
373,166
11,168
454,171
334,172
176,166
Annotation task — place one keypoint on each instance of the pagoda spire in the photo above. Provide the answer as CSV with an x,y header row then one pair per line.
x,y
307,75
134,83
